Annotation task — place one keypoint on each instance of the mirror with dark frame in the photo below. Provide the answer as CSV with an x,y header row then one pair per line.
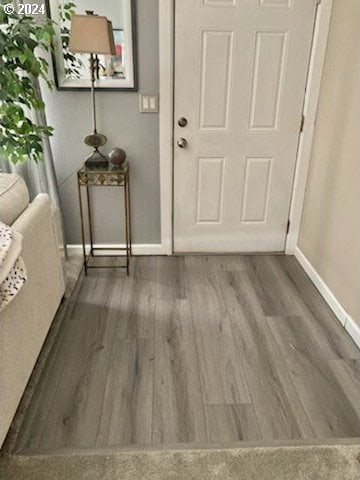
x,y
71,70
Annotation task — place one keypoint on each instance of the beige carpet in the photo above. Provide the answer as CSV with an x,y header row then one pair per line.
x,y
307,462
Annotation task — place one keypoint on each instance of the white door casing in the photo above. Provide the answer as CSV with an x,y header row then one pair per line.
x,y
240,76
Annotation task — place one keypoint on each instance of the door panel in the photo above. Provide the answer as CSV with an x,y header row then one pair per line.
x,y
210,190
275,3
267,82
256,189
240,75
216,56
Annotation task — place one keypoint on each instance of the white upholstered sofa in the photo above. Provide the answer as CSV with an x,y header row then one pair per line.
x,y
25,321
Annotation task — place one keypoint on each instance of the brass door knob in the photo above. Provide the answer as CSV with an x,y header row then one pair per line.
x,y
182,142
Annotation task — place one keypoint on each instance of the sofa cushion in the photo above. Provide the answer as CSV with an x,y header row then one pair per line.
x,y
14,197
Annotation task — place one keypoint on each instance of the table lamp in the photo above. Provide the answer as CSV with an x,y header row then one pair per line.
x,y
93,34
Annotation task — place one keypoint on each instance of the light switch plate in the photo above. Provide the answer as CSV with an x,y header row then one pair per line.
x,y
148,103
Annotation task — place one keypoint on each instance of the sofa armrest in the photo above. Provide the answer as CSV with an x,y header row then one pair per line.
x,y
38,216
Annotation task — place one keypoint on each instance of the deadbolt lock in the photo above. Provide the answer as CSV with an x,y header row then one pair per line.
x,y
182,122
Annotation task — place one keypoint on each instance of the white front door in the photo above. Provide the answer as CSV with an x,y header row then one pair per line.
x,y
240,76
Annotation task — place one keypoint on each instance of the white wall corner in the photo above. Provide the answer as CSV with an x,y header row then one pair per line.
x,y
341,314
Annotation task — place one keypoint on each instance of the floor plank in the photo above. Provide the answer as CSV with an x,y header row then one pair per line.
x,y
69,337
178,407
222,372
75,411
347,372
232,423
196,349
208,264
320,391
126,416
278,407
320,320
273,293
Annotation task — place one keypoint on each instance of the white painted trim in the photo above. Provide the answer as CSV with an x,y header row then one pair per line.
x,y
341,314
166,67
137,249
319,283
166,72
313,87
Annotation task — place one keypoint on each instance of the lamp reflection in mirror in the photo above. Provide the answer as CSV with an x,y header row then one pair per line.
x,y
93,34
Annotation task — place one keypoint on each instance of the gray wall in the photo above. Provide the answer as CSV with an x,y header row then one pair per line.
x,y
119,119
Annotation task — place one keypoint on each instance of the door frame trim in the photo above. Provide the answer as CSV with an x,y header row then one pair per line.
x,y
312,95
166,118
166,132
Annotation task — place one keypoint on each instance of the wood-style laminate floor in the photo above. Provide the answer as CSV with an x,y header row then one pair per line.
x,y
196,349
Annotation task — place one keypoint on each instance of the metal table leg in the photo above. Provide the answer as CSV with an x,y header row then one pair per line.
x,y
82,227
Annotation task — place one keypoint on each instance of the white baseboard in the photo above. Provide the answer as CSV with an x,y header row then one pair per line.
x,y
341,314
353,330
137,249
319,283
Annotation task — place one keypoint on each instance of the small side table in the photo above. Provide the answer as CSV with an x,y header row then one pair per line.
x,y
110,177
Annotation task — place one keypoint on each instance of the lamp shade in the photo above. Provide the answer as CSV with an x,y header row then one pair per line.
x,y
91,34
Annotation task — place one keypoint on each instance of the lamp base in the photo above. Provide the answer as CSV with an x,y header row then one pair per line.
x,y
97,161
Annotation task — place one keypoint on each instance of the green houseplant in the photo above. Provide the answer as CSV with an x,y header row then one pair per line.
x,y
73,62
22,40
